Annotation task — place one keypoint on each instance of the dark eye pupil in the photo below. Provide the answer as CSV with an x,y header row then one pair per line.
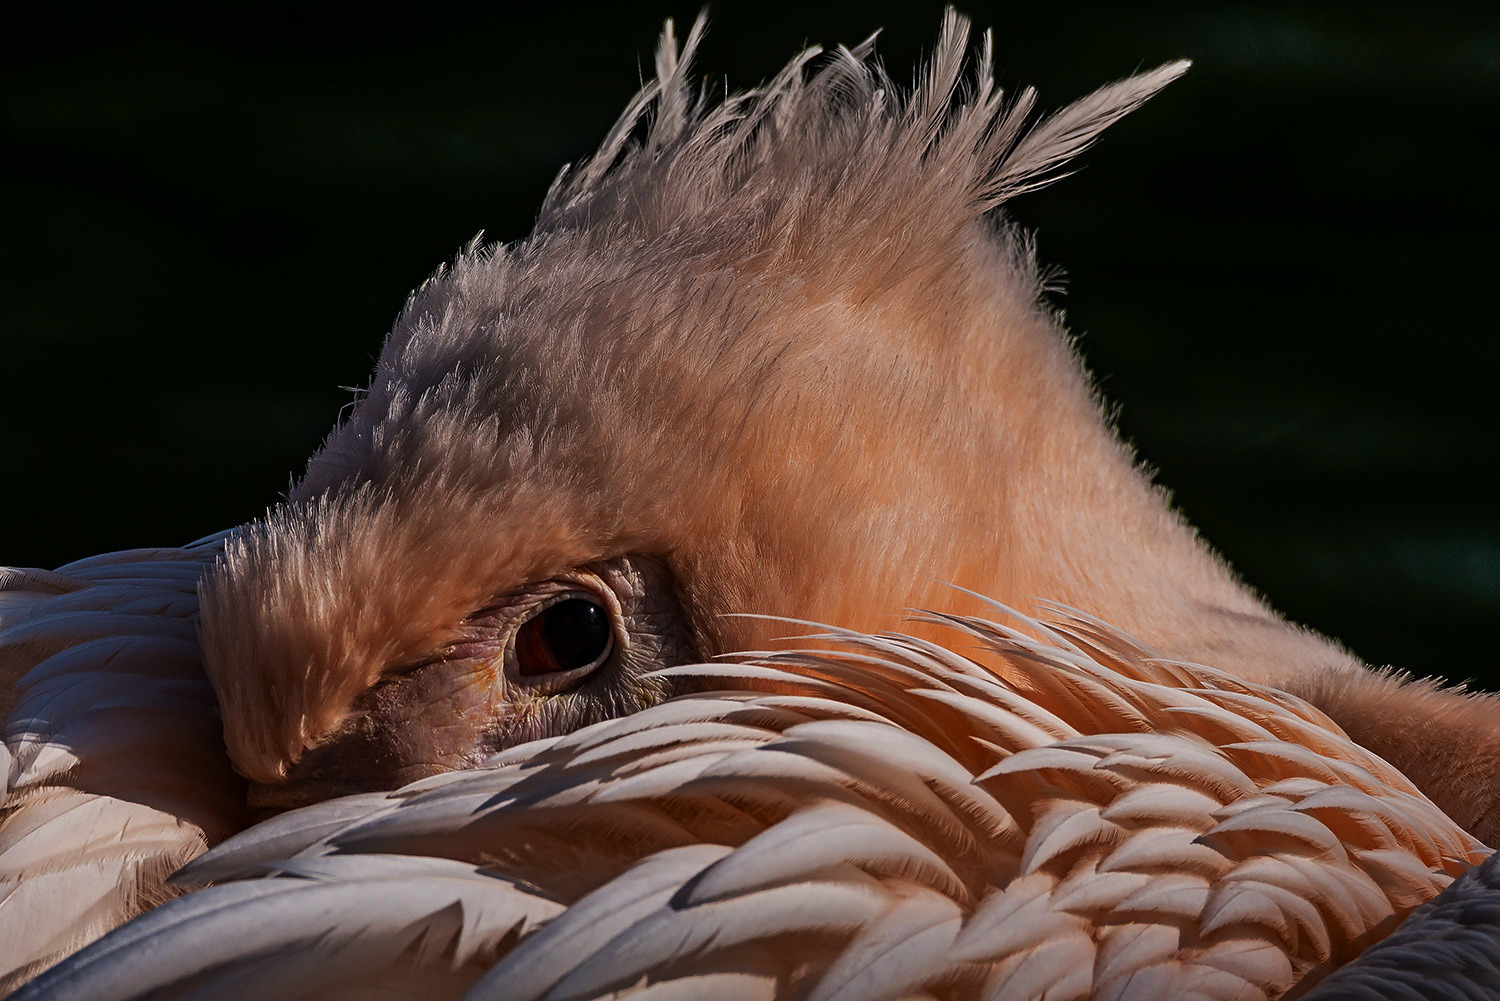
x,y
564,637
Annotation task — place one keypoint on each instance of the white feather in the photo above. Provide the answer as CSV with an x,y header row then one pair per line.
x,y
299,933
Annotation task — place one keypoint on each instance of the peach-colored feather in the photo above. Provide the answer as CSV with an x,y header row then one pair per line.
x,y
782,345
878,818
773,355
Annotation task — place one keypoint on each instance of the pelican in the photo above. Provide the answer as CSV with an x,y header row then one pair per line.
x,y
776,355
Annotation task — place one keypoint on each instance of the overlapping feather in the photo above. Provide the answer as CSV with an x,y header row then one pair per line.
x,y
872,817
1448,950
115,769
1060,817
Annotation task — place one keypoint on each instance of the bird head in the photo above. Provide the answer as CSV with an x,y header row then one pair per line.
x,y
773,355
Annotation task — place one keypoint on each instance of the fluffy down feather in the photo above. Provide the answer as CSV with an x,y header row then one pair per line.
x,y
874,817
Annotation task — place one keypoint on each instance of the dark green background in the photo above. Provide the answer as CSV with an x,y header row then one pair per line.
x,y
1281,269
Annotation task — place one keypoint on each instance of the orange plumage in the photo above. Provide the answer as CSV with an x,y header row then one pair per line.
x,y
777,356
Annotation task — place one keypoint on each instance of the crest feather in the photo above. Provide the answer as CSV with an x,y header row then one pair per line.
x,y
986,147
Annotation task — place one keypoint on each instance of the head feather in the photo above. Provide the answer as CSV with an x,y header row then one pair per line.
x,y
720,345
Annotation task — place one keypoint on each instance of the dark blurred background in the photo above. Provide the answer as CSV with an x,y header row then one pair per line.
x,y
1280,269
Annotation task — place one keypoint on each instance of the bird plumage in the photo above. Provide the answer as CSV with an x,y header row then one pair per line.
x,y
769,343
116,773
757,299
771,355
1449,948
869,817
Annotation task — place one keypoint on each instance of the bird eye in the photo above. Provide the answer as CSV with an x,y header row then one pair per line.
x,y
564,637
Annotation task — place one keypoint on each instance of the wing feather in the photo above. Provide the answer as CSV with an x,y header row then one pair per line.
x,y
820,837
814,828
1449,948
903,950
546,957
115,769
304,930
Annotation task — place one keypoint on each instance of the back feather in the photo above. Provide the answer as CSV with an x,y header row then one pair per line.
x,y
872,817
1448,950
115,768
